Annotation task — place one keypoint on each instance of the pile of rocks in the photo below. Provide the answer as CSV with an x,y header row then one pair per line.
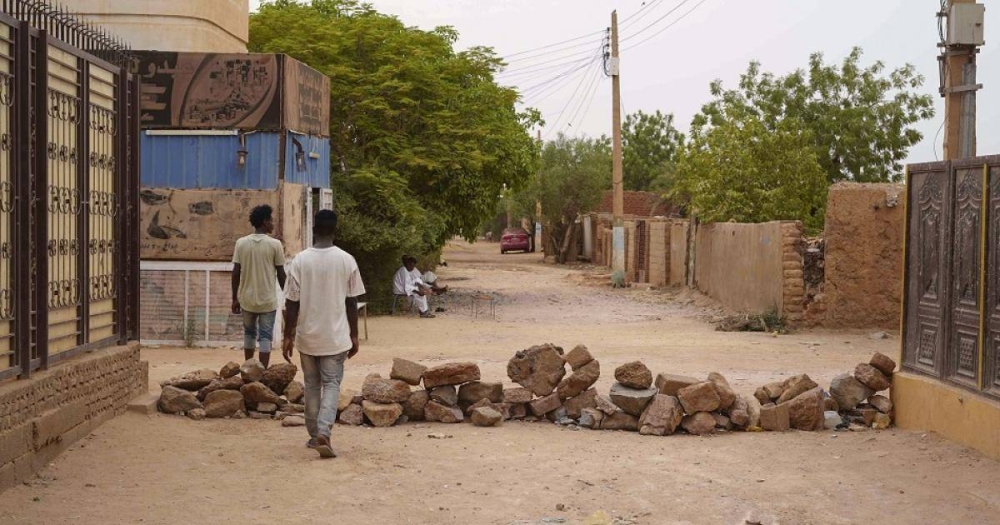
x,y
851,403
234,391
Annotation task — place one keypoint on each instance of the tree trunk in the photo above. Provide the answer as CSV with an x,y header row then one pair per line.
x,y
566,240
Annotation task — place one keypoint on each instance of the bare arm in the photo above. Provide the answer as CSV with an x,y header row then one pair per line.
x,y
281,276
351,304
291,319
236,287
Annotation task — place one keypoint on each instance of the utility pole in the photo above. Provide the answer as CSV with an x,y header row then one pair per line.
x,y
618,202
962,37
538,205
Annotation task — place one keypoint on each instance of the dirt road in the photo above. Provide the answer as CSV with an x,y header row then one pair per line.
x,y
163,469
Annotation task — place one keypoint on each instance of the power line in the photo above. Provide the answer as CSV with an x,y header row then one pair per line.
x,y
551,86
672,24
533,66
640,14
568,102
552,45
588,43
657,21
586,101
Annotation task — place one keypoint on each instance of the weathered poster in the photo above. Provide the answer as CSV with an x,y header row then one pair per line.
x,y
206,91
306,99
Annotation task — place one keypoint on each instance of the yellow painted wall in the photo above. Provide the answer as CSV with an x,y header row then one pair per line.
x,y
926,404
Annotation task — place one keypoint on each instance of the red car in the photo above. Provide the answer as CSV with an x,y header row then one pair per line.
x,y
515,239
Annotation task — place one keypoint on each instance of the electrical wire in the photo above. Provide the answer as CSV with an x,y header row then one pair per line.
x,y
657,21
646,9
535,94
506,57
572,97
567,69
672,24
533,67
586,101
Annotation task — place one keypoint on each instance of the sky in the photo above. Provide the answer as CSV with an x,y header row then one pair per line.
x,y
709,39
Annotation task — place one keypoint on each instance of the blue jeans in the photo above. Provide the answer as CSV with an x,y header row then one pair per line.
x,y
322,385
258,327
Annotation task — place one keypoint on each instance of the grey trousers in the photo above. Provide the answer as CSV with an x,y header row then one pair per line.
x,y
323,375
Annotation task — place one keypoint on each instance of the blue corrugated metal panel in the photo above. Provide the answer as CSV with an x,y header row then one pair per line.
x,y
314,168
210,161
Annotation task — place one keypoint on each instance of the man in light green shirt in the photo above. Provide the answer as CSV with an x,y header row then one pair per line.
x,y
258,261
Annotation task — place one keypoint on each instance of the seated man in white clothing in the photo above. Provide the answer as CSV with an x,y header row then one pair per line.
x,y
407,283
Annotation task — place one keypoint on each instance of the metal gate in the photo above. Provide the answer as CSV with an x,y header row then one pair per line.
x,y
951,299
68,188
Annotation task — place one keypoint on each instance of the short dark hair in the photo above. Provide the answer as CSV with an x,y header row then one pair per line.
x,y
325,223
260,215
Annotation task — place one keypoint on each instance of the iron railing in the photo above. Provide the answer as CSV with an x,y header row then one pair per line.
x,y
69,175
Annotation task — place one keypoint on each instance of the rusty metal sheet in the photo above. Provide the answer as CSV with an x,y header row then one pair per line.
x,y
306,99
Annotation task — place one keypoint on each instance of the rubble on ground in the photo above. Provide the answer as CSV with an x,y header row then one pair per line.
x,y
553,386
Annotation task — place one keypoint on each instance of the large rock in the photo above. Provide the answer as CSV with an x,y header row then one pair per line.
x,y
482,403
670,384
870,376
661,416
726,394
881,403
620,421
770,392
256,393
578,357
753,410
192,381
251,370
486,417
382,414
352,415
881,422
451,374
435,411
699,397
230,383
517,395
580,380
223,403
739,413
197,414
175,400
378,390
775,417
413,408
591,418
699,424
230,369
883,363
632,400
806,411
475,391
277,377
796,386
445,395
634,375
848,391
575,405
722,422
604,404
267,408
293,421
544,405
295,391
539,368
345,399
516,410
407,371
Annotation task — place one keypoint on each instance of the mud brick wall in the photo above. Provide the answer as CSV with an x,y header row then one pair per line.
x,y
659,253
42,416
864,254
792,250
678,249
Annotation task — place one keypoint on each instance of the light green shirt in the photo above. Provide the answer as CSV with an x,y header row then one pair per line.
x,y
258,256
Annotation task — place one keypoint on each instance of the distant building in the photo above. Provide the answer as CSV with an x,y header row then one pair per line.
x,y
641,204
217,26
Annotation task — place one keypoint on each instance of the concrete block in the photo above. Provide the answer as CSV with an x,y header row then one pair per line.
x,y
15,442
53,424
145,404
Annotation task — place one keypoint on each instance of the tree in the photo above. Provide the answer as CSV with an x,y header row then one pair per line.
x,y
423,139
649,145
573,176
860,118
741,170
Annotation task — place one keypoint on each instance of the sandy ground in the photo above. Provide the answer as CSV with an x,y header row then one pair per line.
x,y
164,469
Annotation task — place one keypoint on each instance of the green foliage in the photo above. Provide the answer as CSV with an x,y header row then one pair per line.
x,y
741,170
423,140
861,118
649,147
574,174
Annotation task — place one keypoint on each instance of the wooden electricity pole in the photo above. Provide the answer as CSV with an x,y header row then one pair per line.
x,y
618,202
958,74
537,234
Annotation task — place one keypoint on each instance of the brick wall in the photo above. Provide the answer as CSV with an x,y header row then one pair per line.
x,y
659,253
639,204
162,307
42,416
793,291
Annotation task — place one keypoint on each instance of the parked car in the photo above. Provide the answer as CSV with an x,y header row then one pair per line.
x,y
515,239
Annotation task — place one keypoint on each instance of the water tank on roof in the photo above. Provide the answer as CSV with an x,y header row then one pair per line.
x,y
213,26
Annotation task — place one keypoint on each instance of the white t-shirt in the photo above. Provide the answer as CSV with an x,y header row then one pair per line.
x,y
320,280
405,282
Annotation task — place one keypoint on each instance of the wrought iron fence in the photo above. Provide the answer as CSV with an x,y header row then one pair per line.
x,y
68,188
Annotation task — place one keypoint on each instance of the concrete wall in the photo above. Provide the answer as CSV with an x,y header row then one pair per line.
x,y
678,252
741,265
203,225
659,253
864,254
216,26
42,416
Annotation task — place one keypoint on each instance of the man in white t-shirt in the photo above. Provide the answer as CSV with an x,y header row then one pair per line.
x,y
321,320
407,283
